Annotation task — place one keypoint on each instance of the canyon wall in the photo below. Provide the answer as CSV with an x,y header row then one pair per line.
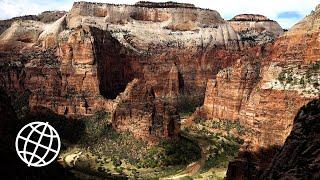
x,y
258,91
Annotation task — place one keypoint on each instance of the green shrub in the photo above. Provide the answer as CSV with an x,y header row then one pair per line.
x,y
302,81
95,126
221,154
282,76
186,105
179,152
20,103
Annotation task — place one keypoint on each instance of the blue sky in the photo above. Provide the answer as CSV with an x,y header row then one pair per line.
x,y
286,12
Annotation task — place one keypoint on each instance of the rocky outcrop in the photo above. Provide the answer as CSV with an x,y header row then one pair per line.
x,y
237,94
138,111
296,159
255,28
266,98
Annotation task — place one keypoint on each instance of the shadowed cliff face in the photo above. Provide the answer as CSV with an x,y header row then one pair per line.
x,y
299,156
296,159
114,64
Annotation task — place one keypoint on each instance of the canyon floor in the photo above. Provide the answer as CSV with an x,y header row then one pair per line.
x,y
218,142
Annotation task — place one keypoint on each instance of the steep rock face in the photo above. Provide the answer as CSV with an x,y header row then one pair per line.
x,y
138,111
288,78
262,113
298,158
123,14
185,38
55,78
256,28
231,89
238,94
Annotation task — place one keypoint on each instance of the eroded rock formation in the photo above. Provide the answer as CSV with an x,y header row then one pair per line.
x,y
300,43
138,111
255,28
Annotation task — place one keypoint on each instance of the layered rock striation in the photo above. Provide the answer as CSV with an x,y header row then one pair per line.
x,y
300,43
286,78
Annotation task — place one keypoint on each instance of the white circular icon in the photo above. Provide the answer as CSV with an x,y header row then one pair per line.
x,y
38,144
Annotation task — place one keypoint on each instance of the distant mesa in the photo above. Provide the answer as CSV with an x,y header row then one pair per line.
x,y
256,27
250,17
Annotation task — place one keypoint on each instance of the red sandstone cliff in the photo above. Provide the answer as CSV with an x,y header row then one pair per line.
x,y
80,63
138,111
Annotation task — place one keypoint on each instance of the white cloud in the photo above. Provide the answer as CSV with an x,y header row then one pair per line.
x,y
227,8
